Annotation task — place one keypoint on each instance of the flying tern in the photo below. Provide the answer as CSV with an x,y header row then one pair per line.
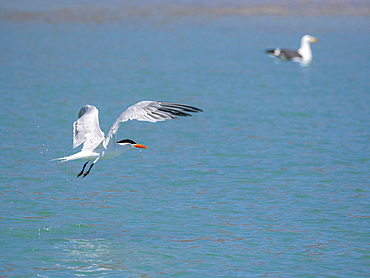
x,y
95,146
303,54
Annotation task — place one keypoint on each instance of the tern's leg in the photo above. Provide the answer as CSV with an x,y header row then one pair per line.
x,y
83,168
88,171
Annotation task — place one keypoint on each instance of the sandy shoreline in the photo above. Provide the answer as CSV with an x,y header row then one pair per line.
x,y
120,10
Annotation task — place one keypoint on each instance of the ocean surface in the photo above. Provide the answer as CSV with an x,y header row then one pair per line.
x,y
271,180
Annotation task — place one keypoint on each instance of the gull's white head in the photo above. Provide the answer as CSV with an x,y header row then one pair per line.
x,y
308,39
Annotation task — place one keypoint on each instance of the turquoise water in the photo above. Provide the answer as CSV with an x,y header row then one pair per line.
x,y
271,180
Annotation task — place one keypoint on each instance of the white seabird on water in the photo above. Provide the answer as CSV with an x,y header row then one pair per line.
x,y
86,130
303,54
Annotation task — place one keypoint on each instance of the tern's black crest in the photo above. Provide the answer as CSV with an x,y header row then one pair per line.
x,y
126,141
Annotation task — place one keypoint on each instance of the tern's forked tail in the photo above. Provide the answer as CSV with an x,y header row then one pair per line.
x,y
75,156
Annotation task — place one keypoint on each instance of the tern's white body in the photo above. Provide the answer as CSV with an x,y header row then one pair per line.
x,y
99,153
86,129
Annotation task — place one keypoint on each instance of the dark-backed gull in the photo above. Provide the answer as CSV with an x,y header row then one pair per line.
x,y
303,54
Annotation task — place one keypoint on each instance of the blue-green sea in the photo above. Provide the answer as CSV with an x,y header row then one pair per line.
x,y
271,180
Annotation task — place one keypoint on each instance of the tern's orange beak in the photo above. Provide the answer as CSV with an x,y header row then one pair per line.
x,y
314,40
140,146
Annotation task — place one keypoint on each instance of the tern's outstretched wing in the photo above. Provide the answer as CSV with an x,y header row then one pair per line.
x,y
86,129
151,111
